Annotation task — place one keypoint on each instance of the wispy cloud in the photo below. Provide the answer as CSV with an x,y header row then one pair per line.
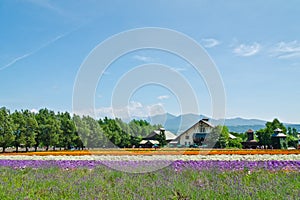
x,y
26,55
143,58
15,60
285,50
247,50
47,5
163,97
210,42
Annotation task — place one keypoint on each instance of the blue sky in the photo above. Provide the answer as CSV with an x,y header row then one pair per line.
x,y
254,44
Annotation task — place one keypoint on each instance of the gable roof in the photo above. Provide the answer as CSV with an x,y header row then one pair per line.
x,y
197,123
277,130
150,141
250,131
207,123
169,135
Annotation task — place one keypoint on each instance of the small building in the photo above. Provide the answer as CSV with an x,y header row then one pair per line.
x,y
279,139
148,143
153,136
250,143
151,139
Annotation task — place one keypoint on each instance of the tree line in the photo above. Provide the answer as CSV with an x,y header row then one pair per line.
x,y
47,129
264,135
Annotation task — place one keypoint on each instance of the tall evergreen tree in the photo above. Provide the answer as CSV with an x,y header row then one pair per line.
x,y
31,129
19,129
6,129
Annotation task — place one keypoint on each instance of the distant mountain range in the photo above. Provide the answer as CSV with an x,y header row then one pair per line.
x,y
239,125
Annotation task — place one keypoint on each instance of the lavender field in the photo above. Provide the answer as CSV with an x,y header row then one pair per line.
x,y
194,179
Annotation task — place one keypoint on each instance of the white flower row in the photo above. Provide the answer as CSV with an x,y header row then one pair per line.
x,y
265,157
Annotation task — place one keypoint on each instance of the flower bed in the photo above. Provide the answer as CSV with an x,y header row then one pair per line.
x,y
176,165
163,151
262,157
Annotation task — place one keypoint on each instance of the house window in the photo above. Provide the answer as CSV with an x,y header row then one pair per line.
x,y
187,137
189,143
185,143
202,129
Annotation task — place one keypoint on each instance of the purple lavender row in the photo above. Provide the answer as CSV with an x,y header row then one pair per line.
x,y
176,165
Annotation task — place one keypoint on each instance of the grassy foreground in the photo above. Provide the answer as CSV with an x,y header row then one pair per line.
x,y
104,183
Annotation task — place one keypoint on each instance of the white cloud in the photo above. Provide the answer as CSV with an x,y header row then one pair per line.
x,y
133,109
210,42
247,50
143,58
285,50
34,110
163,97
156,109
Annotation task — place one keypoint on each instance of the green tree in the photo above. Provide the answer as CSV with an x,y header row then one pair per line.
x,y
161,138
271,126
224,137
112,131
67,136
135,140
19,129
95,137
31,129
6,129
235,143
243,136
218,137
292,131
264,135
292,141
125,134
49,129
82,131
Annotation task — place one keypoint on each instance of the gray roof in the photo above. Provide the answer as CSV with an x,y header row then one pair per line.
x,y
279,135
151,141
206,122
231,136
169,135
143,141
250,131
278,130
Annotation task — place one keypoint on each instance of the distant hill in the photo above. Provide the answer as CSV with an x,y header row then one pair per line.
x,y
178,124
244,128
243,122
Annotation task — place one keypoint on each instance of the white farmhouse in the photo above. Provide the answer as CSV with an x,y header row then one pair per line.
x,y
195,134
